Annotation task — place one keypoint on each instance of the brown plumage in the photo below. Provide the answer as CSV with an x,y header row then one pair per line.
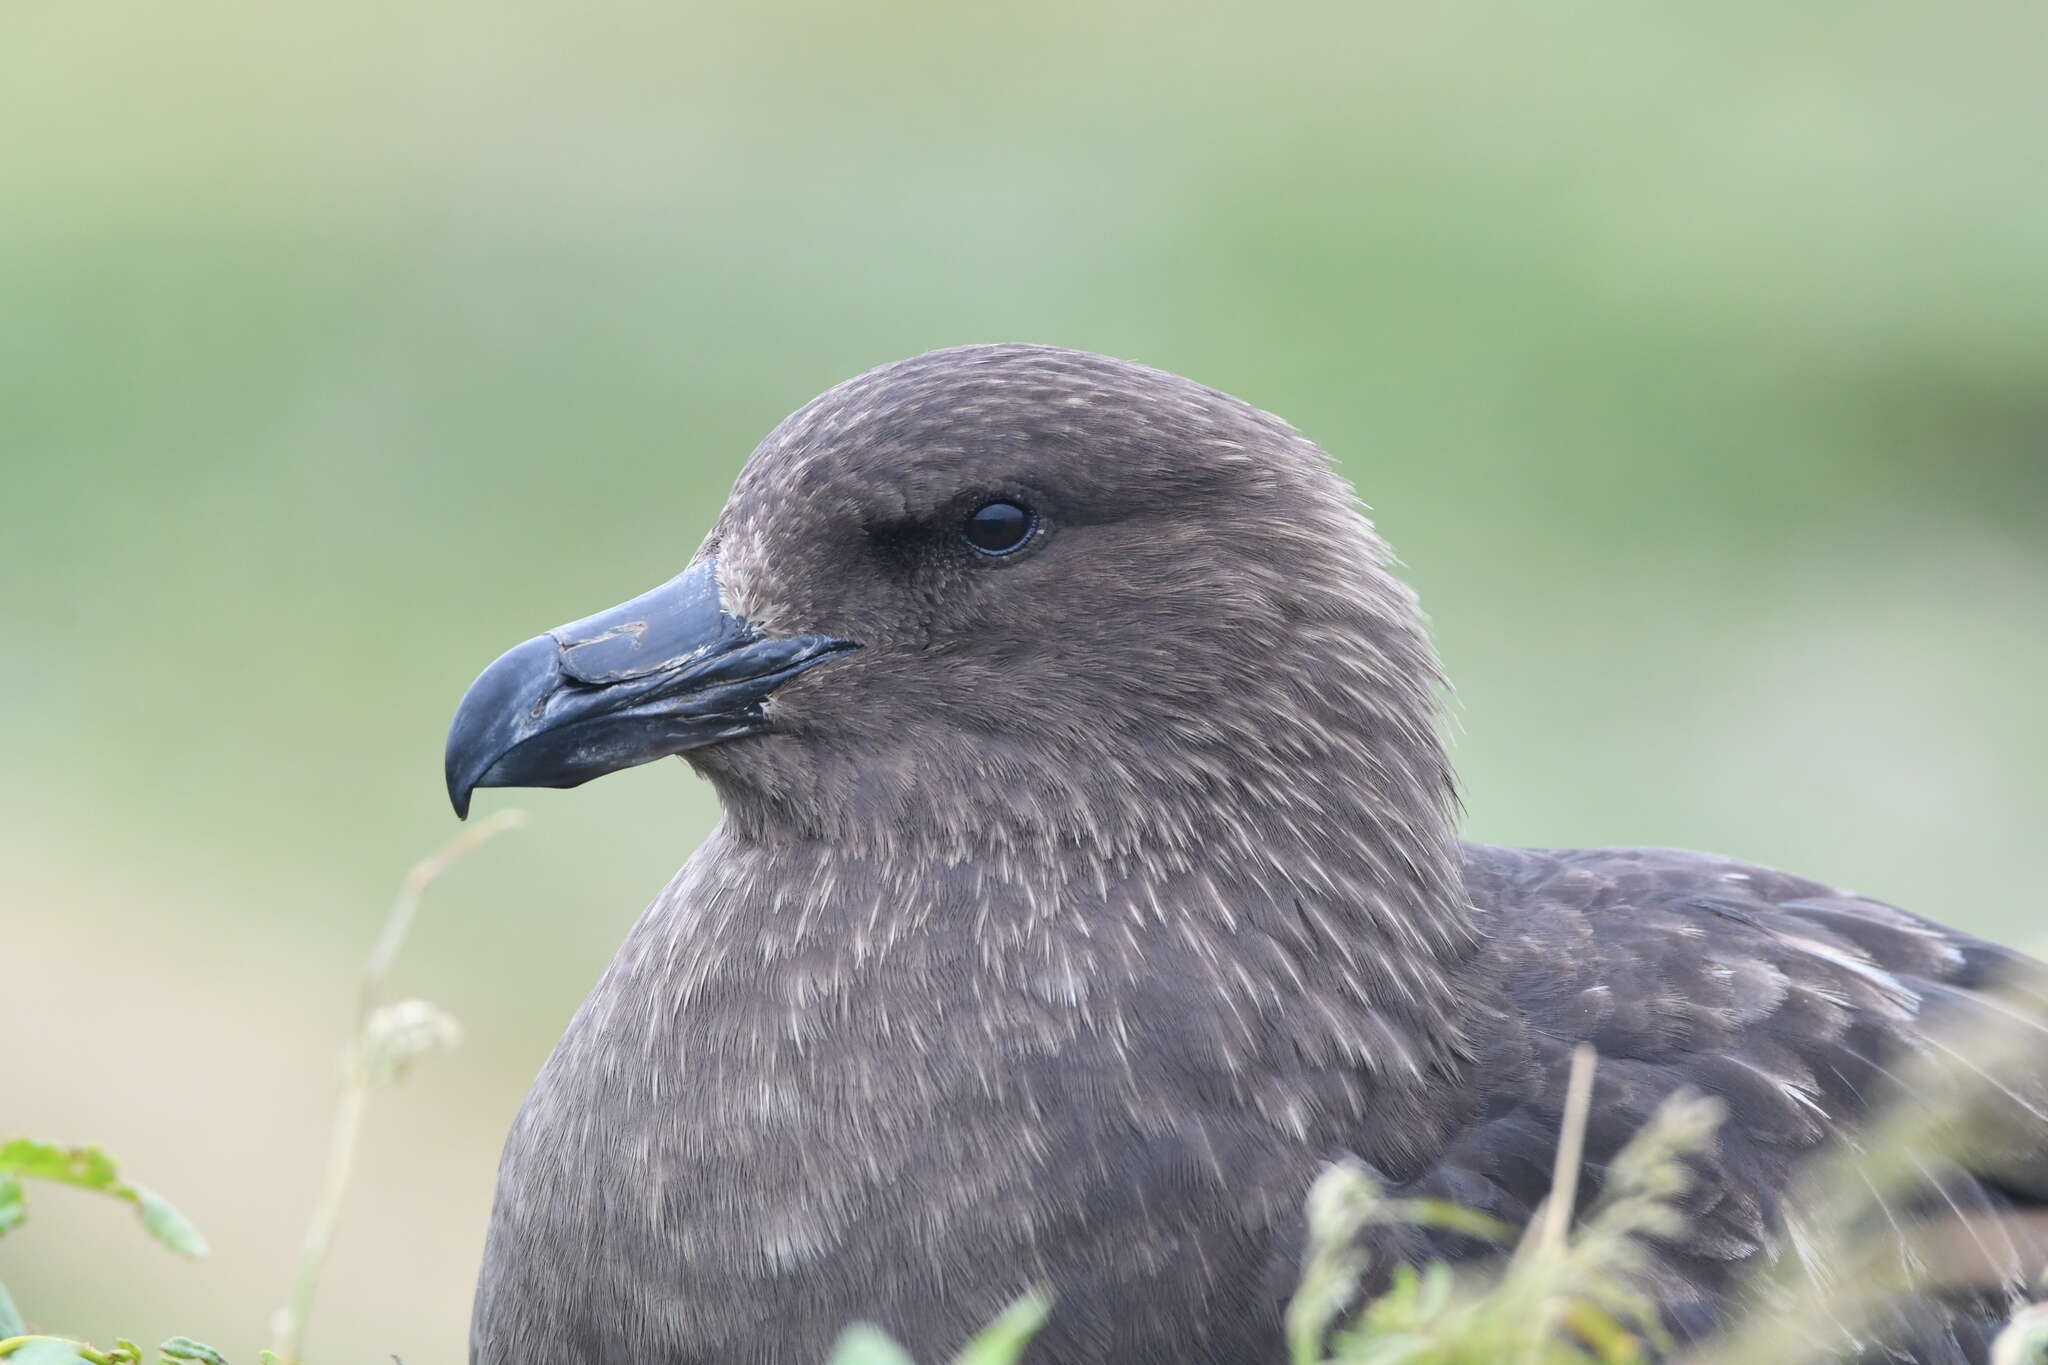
x,y
1076,902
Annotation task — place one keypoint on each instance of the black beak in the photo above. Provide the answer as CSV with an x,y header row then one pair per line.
x,y
668,671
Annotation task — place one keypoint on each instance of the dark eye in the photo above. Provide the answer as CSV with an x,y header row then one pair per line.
x,y
999,528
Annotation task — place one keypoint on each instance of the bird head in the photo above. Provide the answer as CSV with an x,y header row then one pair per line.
x,y
994,576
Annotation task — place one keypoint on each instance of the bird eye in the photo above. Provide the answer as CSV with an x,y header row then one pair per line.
x,y
999,528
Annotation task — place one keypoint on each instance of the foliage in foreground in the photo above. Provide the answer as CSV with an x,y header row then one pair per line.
x,y
1568,1293
1565,1297
389,1038
1002,1342
85,1168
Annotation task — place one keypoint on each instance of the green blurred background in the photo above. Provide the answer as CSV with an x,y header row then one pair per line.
x,y
1695,357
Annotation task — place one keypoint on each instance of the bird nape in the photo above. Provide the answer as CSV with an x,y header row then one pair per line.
x,y
1088,881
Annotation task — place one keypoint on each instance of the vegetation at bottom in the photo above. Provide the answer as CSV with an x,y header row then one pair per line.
x,y
1566,1291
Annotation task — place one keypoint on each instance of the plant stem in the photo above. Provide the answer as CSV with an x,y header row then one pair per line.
x,y
404,906
288,1328
1571,1150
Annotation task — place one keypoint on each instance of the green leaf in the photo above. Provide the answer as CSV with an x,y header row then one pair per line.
x,y
49,1351
1341,1203
1002,1342
184,1348
88,1168
1441,1213
13,1211
1433,1290
11,1323
861,1344
32,1157
168,1225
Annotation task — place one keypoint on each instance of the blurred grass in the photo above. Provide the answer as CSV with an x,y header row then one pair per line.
x,y
1694,357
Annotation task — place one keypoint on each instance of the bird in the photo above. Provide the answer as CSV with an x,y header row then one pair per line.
x,y
1088,882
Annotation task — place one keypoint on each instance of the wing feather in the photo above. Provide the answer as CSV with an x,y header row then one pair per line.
x,y
1801,1007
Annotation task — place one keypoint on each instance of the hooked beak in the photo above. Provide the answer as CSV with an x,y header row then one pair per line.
x,y
669,671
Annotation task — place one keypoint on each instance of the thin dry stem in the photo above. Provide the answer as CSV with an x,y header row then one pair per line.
x,y
1556,1223
288,1327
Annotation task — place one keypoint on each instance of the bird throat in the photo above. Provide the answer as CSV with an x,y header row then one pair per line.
x,y
1307,969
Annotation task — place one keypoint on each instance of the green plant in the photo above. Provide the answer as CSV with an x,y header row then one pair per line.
x,y
1565,1297
389,1037
1570,1296
85,1168
1002,1342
